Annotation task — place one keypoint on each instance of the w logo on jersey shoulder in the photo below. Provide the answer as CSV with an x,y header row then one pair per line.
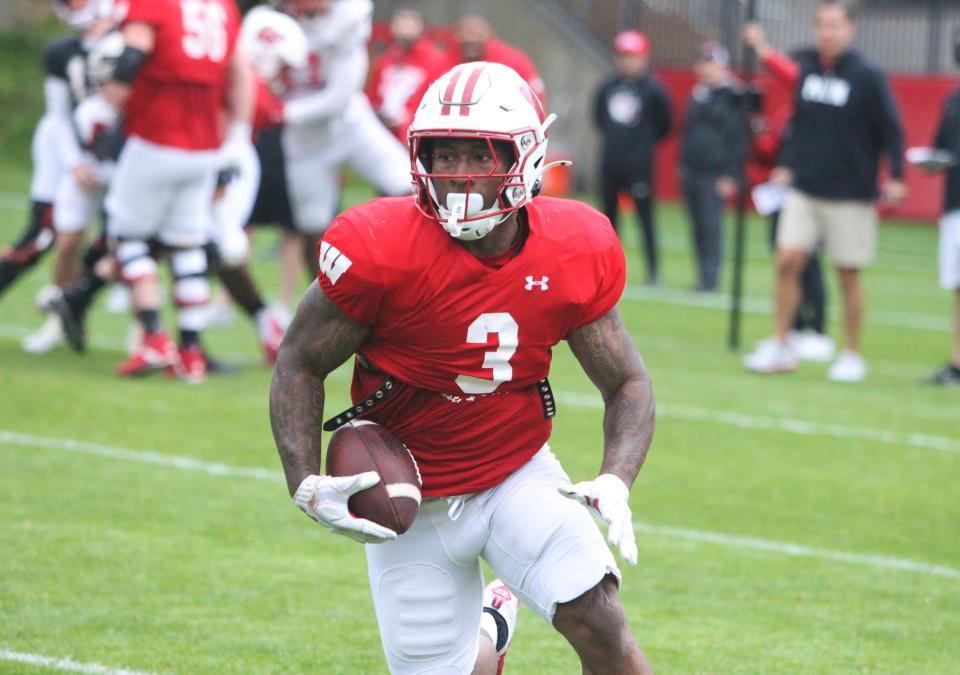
x,y
541,283
332,262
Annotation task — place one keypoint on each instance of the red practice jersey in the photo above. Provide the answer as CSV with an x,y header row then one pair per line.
x,y
400,78
177,98
268,109
466,341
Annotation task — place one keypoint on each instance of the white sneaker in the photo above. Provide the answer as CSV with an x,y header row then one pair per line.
x,y
850,367
770,356
502,605
118,299
45,295
814,346
46,338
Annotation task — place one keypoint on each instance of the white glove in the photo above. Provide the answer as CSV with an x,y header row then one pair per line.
x,y
324,498
606,495
236,144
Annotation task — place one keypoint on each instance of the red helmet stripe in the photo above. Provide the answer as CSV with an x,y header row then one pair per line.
x,y
468,90
448,94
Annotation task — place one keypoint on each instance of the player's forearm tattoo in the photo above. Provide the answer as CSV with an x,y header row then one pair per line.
x,y
611,360
318,341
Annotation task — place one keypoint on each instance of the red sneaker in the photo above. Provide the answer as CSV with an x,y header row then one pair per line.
x,y
270,328
192,365
156,351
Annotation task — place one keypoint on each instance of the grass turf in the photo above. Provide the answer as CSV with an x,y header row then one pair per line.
x,y
151,567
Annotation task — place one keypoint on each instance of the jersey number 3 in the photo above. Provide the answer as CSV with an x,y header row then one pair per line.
x,y
204,30
505,327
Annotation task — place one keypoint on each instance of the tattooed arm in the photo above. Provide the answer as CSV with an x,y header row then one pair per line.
x,y
319,340
609,357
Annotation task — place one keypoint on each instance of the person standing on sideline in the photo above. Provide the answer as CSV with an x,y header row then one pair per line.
x,y
808,335
845,118
948,139
631,109
713,148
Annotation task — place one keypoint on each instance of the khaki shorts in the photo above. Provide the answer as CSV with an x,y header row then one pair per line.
x,y
848,227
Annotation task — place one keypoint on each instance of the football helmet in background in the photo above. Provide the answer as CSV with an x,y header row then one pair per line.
x,y
103,55
486,101
83,16
272,41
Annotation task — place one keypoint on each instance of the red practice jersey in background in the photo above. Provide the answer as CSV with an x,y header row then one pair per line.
x,y
467,341
178,95
400,78
268,108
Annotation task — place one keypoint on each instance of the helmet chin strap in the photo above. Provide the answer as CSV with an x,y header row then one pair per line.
x,y
462,205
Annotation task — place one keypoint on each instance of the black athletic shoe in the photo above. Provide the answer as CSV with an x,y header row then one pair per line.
x,y
218,367
948,376
72,317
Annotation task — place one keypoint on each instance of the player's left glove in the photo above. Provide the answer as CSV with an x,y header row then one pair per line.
x,y
607,495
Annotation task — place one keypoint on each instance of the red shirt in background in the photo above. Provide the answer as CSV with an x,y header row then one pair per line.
x,y
777,110
177,97
400,78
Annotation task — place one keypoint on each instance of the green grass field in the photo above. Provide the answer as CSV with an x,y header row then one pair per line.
x,y
786,524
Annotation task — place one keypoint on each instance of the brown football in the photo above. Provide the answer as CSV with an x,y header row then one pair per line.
x,y
366,446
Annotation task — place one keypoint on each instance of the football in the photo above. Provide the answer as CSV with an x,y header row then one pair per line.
x,y
366,446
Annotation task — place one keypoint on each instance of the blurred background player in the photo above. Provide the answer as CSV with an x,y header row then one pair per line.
x,y
808,335
713,148
401,75
477,42
177,68
55,151
631,109
328,122
273,43
948,139
844,118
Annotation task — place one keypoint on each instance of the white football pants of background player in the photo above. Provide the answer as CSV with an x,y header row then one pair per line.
x,y
315,151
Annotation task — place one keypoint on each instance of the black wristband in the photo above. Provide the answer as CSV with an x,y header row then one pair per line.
x,y
128,64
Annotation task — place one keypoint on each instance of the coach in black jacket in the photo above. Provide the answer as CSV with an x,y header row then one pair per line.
x,y
713,148
631,109
845,118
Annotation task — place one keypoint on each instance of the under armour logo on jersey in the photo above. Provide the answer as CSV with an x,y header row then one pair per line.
x,y
332,262
541,283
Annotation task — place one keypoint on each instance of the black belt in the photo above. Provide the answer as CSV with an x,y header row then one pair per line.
x,y
388,385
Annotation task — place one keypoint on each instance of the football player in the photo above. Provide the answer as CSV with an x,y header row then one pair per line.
x,y
329,121
273,43
177,68
56,151
452,302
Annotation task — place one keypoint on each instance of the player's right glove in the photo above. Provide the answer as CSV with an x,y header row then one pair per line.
x,y
606,495
324,498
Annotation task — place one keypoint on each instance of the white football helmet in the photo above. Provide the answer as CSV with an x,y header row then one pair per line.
x,y
103,55
486,101
81,18
272,40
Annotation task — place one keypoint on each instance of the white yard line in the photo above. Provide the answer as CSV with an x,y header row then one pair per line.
x,y
783,424
63,663
756,305
799,551
12,438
